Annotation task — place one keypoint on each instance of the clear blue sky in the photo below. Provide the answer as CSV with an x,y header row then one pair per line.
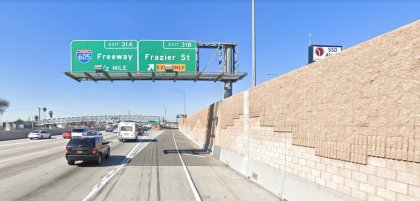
x,y
35,37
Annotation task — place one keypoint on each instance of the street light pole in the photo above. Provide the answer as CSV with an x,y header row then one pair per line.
x,y
254,73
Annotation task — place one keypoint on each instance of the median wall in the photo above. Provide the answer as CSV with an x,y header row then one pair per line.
x,y
23,133
346,127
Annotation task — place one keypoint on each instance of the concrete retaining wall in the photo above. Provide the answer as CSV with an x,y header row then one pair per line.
x,y
20,134
343,128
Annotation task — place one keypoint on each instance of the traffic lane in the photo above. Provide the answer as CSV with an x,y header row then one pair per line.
x,y
11,143
30,152
213,179
4,145
29,147
55,180
151,175
14,163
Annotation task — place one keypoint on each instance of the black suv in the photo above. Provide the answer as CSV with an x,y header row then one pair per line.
x,y
87,148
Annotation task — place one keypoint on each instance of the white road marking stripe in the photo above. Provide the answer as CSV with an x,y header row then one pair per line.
x,y
98,186
193,188
193,155
183,141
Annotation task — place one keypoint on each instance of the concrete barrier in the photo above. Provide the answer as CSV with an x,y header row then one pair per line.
x,y
21,134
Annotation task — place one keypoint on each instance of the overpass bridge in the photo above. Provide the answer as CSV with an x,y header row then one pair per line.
x,y
101,118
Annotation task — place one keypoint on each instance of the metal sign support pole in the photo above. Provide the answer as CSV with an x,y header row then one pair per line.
x,y
228,70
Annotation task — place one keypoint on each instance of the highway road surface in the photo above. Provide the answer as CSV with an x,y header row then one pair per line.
x,y
161,165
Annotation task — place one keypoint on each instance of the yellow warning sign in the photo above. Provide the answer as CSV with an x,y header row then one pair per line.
x,y
170,67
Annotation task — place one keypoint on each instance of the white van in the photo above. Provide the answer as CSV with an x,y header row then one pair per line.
x,y
127,131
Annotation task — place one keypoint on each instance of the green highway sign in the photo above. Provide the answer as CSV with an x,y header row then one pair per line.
x,y
167,56
113,56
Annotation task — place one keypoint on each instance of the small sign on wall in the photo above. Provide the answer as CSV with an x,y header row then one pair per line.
x,y
318,52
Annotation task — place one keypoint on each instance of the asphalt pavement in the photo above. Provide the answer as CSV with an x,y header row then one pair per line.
x,y
158,173
162,165
38,170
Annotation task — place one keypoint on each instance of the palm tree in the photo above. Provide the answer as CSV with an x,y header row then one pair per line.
x,y
50,113
44,109
3,105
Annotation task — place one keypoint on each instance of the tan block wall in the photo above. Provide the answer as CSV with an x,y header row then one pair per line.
x,y
350,123
232,138
196,123
231,108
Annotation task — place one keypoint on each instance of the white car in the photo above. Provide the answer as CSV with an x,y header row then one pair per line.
x,y
39,134
79,132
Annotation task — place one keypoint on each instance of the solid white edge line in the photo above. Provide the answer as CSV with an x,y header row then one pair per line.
x,y
193,155
193,188
98,186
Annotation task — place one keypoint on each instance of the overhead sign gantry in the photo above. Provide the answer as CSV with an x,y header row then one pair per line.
x,y
96,60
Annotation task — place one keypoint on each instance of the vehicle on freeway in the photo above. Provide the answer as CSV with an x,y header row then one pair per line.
x,y
109,127
148,126
115,130
127,131
86,149
140,130
144,128
93,133
67,134
39,134
77,132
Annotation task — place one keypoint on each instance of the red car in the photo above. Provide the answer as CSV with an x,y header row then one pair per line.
x,y
67,134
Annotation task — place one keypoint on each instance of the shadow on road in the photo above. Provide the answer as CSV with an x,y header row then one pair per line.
x,y
147,140
113,160
141,140
186,151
